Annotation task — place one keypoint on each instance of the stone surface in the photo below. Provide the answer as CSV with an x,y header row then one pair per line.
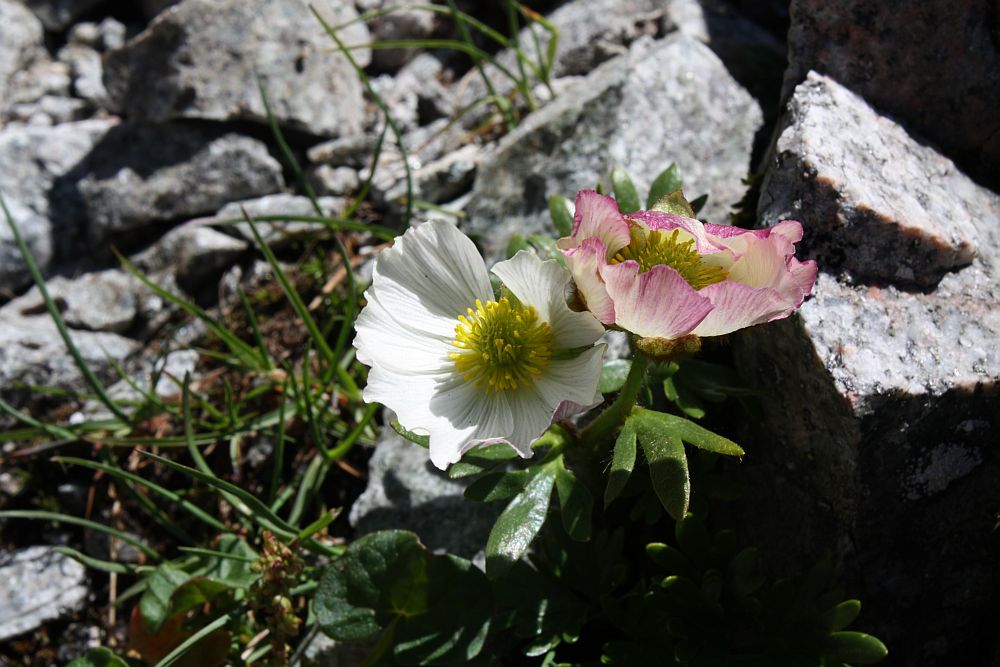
x,y
57,15
406,492
327,180
437,182
400,23
139,175
98,301
86,71
416,95
21,42
37,585
277,234
44,205
879,204
616,115
877,440
33,353
188,256
199,59
934,65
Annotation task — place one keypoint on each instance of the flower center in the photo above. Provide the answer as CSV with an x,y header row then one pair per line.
x,y
652,247
502,345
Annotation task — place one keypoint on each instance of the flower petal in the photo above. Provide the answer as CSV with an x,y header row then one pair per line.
x,y
543,285
585,262
658,220
597,216
572,380
737,305
655,304
467,417
434,270
383,339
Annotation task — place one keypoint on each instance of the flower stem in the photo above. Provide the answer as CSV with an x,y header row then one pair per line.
x,y
597,435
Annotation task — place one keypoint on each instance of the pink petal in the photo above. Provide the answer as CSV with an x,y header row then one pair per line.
x,y
658,220
655,304
597,216
737,305
585,263
803,275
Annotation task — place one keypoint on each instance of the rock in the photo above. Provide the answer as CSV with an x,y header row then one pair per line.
x,y
406,492
616,116
199,59
399,23
278,234
44,206
140,174
188,255
933,65
57,15
33,353
29,85
416,94
437,182
351,151
880,401
108,34
337,181
881,206
152,8
22,41
50,110
38,585
97,301
87,72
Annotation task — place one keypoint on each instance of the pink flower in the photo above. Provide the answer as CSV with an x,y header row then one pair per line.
x,y
659,275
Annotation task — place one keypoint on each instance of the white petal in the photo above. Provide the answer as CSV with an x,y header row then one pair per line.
x,y
383,339
466,417
572,379
531,417
543,285
430,276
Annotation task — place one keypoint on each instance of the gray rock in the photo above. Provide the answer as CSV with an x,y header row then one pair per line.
x,y
437,182
337,181
879,204
616,116
87,72
933,65
406,492
277,234
880,402
21,42
42,202
140,175
188,255
199,59
416,95
38,585
33,353
42,78
50,110
351,151
108,34
400,23
98,301
152,8
58,15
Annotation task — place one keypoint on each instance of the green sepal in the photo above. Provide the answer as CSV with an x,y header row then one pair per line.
x,y
625,193
668,180
561,212
674,204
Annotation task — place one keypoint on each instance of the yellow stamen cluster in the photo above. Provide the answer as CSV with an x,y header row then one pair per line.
x,y
502,345
652,247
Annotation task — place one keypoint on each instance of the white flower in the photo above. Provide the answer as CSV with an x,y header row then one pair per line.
x,y
465,368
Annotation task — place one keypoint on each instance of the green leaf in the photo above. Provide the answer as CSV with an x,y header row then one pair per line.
x,y
501,485
668,467
698,203
625,192
422,440
154,605
519,523
546,248
622,462
668,181
515,244
842,615
575,502
672,560
561,211
98,657
438,606
674,204
856,647
713,382
693,434
744,573
613,375
479,460
195,592
677,393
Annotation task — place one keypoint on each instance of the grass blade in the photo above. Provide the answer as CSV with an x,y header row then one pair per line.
x,y
41,515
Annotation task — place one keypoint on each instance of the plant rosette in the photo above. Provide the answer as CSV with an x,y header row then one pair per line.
x,y
663,275
466,367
